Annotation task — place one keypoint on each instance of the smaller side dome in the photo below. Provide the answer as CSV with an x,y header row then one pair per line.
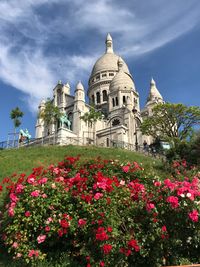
x,y
79,86
122,81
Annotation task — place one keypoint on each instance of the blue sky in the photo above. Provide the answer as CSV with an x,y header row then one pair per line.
x,y
43,41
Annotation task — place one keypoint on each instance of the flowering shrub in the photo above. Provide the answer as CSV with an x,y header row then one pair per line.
x,y
101,213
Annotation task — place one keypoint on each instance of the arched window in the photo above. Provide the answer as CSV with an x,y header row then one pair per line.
x,y
124,99
113,102
58,97
116,101
92,99
105,96
98,97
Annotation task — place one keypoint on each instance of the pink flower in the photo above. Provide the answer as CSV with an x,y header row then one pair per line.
x,y
27,213
157,183
98,196
122,182
126,168
35,193
49,220
81,222
31,180
19,188
43,180
150,206
41,238
11,212
44,195
33,252
194,215
15,245
173,201
13,197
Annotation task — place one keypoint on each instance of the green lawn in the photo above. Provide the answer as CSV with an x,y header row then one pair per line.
x,y
24,159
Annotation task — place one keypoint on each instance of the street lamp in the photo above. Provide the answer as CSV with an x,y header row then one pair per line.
x,y
135,133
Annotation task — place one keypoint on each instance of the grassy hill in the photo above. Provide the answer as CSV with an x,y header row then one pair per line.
x,y
24,159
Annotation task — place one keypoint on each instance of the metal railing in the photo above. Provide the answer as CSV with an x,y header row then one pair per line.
x,y
79,141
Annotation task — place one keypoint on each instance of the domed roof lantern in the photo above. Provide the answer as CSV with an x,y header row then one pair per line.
x,y
109,44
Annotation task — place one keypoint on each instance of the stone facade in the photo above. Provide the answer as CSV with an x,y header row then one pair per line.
x,y
112,91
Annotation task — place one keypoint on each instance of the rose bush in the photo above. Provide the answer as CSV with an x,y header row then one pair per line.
x,y
102,213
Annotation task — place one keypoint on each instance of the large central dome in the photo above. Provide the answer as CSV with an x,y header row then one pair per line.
x,y
109,61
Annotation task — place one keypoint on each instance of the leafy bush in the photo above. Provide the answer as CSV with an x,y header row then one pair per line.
x,y
101,213
188,150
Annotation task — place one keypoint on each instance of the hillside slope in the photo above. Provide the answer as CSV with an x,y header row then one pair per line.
x,y
24,159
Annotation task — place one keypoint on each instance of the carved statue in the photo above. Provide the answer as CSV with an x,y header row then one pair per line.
x,y
24,136
64,121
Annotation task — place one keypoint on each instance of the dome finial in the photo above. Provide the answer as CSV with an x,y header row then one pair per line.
x,y
152,81
109,44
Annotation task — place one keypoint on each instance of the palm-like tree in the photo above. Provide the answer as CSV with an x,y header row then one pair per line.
x,y
15,115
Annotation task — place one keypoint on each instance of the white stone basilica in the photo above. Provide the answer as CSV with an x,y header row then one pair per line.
x,y
112,91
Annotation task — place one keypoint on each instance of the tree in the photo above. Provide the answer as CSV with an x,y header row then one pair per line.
x,y
15,114
92,117
173,122
50,114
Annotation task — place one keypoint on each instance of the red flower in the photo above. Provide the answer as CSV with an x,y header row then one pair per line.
x,y
194,215
109,229
107,248
47,229
101,234
108,200
164,228
150,206
64,223
126,252
133,244
101,264
27,214
81,222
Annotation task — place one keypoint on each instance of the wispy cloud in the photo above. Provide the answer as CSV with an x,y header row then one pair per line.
x,y
38,47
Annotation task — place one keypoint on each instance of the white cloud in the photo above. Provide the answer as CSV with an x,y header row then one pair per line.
x,y
138,27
